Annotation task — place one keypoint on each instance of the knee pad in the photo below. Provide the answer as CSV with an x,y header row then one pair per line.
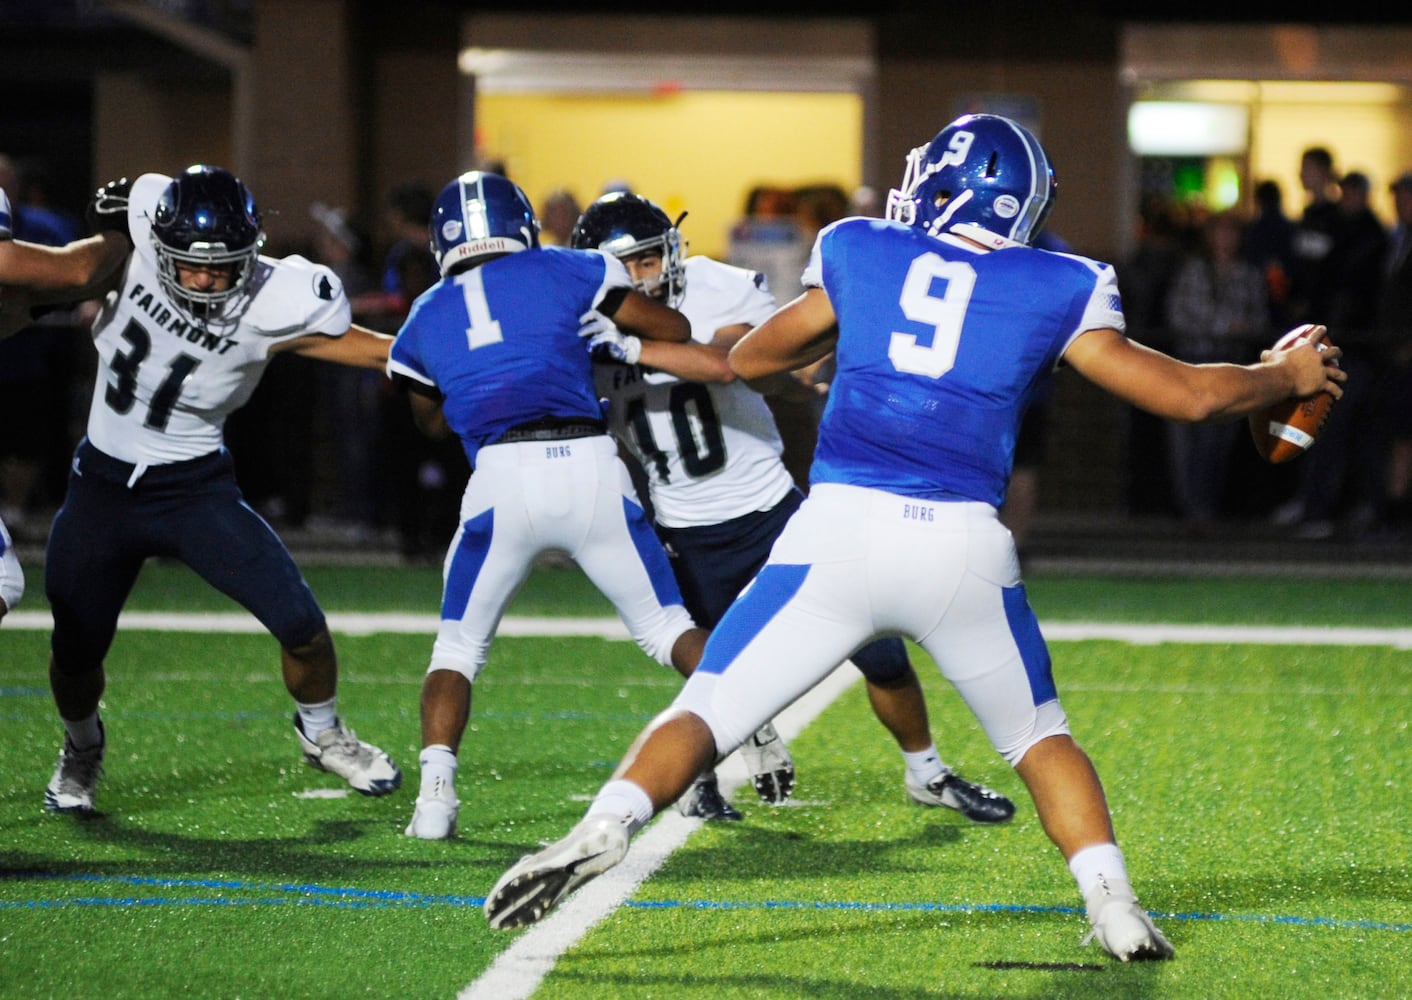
x,y
1048,720
658,638
884,662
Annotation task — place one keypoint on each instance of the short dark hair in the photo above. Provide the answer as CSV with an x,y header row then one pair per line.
x,y
1321,156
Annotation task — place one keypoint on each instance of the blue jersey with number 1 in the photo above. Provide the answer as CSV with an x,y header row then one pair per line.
x,y
941,346
501,343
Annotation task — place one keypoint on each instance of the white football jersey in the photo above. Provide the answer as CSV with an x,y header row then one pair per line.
x,y
166,380
711,451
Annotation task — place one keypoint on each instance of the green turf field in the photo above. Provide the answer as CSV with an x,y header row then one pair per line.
x,y
1260,793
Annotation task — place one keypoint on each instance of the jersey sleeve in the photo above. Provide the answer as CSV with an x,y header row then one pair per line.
x,y
404,358
7,221
1104,308
615,275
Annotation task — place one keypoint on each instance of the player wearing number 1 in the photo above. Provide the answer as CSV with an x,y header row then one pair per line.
x,y
495,352
188,326
945,322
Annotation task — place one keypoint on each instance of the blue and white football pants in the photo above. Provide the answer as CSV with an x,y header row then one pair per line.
x,y
12,577
854,563
573,495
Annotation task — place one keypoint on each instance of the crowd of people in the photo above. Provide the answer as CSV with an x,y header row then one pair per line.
x,y
1222,286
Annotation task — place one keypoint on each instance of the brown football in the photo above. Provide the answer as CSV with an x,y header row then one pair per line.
x,y
1289,428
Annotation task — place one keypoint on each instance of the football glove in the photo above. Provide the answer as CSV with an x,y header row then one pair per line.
x,y
107,210
614,345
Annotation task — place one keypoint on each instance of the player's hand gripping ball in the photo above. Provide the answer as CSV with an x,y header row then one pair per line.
x,y
1287,429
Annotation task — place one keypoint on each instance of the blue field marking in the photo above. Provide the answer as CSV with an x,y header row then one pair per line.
x,y
308,895
347,898
706,904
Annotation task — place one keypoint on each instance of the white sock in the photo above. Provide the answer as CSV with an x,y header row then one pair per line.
x,y
317,717
1100,863
437,761
621,798
85,733
924,765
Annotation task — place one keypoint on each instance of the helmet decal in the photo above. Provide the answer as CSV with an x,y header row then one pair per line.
x,y
480,215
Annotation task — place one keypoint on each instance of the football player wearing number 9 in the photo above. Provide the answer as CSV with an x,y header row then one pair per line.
x,y
945,322
494,352
188,326
711,454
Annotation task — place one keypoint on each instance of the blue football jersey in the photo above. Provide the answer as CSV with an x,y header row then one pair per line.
x,y
941,347
501,341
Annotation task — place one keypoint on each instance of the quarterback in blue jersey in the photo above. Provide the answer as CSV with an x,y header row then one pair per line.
x,y
495,351
945,322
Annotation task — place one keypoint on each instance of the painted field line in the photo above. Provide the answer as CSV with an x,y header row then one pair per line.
x,y
518,971
370,623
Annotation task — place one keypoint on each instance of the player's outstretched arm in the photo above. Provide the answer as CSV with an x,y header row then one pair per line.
x,y
34,275
1175,390
797,335
358,348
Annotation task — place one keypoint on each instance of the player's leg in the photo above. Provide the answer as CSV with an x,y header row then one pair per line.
x,y
712,565
90,564
487,561
897,700
232,548
990,647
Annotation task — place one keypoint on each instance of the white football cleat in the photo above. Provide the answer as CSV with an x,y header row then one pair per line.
x,y
1122,927
434,816
339,751
536,883
770,765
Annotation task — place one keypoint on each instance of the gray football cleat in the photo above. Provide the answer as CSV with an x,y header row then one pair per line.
x,y
339,751
75,779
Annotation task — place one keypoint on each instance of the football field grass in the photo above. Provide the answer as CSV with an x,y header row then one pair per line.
x,y
1259,790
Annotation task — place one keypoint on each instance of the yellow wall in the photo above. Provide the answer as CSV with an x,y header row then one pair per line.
x,y
697,151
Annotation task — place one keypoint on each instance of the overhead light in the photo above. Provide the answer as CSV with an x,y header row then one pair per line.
x,y
1183,128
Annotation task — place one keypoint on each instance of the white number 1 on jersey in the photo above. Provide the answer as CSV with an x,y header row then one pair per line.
x,y
484,329
943,313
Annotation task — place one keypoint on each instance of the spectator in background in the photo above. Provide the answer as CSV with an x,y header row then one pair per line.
x,y
1269,247
1310,281
1217,311
1395,336
1145,277
1343,476
558,215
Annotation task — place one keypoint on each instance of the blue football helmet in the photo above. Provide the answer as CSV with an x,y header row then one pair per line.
x,y
206,218
982,170
480,215
625,225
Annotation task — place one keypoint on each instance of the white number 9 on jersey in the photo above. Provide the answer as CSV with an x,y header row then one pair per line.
x,y
944,314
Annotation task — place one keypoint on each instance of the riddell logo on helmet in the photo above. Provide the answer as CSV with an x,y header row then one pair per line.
x,y
1007,206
